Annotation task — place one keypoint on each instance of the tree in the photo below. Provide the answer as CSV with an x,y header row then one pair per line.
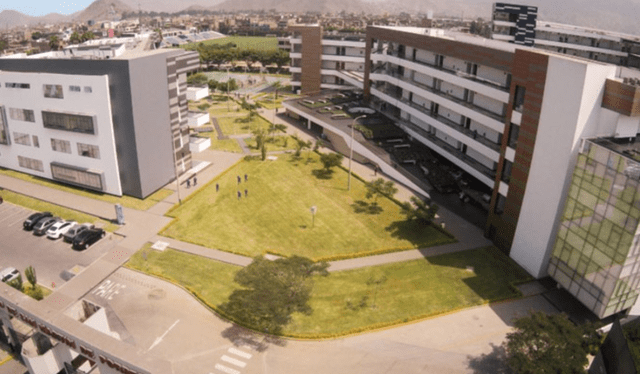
x,y
330,160
54,42
30,273
36,35
232,85
379,187
87,36
300,144
74,38
418,210
197,79
272,291
263,151
545,343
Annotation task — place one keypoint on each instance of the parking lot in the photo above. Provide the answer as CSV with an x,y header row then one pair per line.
x,y
50,258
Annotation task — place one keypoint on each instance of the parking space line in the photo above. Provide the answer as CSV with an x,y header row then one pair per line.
x,y
233,361
11,214
20,220
226,369
240,353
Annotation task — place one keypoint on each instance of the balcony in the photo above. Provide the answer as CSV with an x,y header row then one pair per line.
x,y
488,174
456,126
455,99
474,78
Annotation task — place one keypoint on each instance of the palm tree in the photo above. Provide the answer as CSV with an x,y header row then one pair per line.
x,y
54,42
75,38
87,36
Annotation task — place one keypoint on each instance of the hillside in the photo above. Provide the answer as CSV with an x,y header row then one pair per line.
x,y
101,10
351,6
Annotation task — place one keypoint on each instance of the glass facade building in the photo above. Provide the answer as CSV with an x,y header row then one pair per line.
x,y
596,256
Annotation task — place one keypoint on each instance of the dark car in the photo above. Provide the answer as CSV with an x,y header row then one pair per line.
x,y
75,230
34,218
43,225
87,237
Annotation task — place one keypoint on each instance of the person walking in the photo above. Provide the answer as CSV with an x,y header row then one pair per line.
x,y
217,187
188,183
239,195
246,177
246,192
239,180
195,180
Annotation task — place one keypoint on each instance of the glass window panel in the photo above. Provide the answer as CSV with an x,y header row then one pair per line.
x,y
614,161
582,267
587,249
600,258
601,155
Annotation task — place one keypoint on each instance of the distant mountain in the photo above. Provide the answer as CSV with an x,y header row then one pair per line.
x,y
169,6
101,10
11,18
350,6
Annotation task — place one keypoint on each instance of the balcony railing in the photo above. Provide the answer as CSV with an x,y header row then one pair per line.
x,y
489,173
444,120
455,99
458,73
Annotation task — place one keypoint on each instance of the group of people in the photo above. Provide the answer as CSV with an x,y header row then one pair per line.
x,y
195,181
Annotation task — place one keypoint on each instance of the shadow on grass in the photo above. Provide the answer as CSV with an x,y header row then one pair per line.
x,y
322,173
413,231
360,206
494,362
240,336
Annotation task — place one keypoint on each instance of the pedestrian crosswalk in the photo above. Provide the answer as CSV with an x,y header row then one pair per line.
x,y
232,360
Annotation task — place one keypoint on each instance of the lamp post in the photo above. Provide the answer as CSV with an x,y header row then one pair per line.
x,y
355,120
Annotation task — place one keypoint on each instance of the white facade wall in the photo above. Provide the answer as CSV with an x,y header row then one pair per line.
x,y
485,131
419,100
488,103
450,114
197,119
197,93
95,104
570,111
480,158
425,56
453,63
453,90
351,51
493,75
448,139
423,79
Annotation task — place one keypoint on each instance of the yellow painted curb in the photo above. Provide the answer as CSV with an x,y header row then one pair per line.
x,y
6,359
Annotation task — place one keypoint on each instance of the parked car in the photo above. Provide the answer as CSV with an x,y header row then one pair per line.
x,y
34,218
43,225
75,230
87,237
59,228
9,274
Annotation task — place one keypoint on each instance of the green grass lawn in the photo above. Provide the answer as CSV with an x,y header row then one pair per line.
x,y
227,145
259,43
56,210
413,289
126,201
276,143
276,218
235,124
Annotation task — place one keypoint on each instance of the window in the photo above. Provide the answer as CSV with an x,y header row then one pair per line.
x,y
22,114
518,100
36,142
77,176
68,122
75,88
4,131
63,146
21,138
53,91
17,85
88,150
30,163
87,89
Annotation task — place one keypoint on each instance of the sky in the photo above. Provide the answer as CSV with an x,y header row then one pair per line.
x,y
36,8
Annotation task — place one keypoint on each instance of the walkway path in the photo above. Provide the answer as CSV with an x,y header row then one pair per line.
x,y
221,135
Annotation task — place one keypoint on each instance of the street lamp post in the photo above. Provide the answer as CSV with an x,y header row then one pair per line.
x,y
355,120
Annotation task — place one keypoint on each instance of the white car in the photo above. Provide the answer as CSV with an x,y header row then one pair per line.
x,y
59,228
9,274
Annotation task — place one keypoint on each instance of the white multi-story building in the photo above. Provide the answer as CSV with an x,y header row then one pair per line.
x,y
115,125
326,61
515,118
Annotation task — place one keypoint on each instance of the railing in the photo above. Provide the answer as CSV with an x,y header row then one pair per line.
x,y
458,127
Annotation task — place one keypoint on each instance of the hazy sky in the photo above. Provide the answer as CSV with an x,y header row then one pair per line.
x,y
37,8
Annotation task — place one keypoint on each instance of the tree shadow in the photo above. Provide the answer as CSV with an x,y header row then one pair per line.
x,y
494,362
412,230
322,173
360,206
240,336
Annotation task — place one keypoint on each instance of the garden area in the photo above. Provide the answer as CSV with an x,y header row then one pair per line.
x,y
270,212
358,300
